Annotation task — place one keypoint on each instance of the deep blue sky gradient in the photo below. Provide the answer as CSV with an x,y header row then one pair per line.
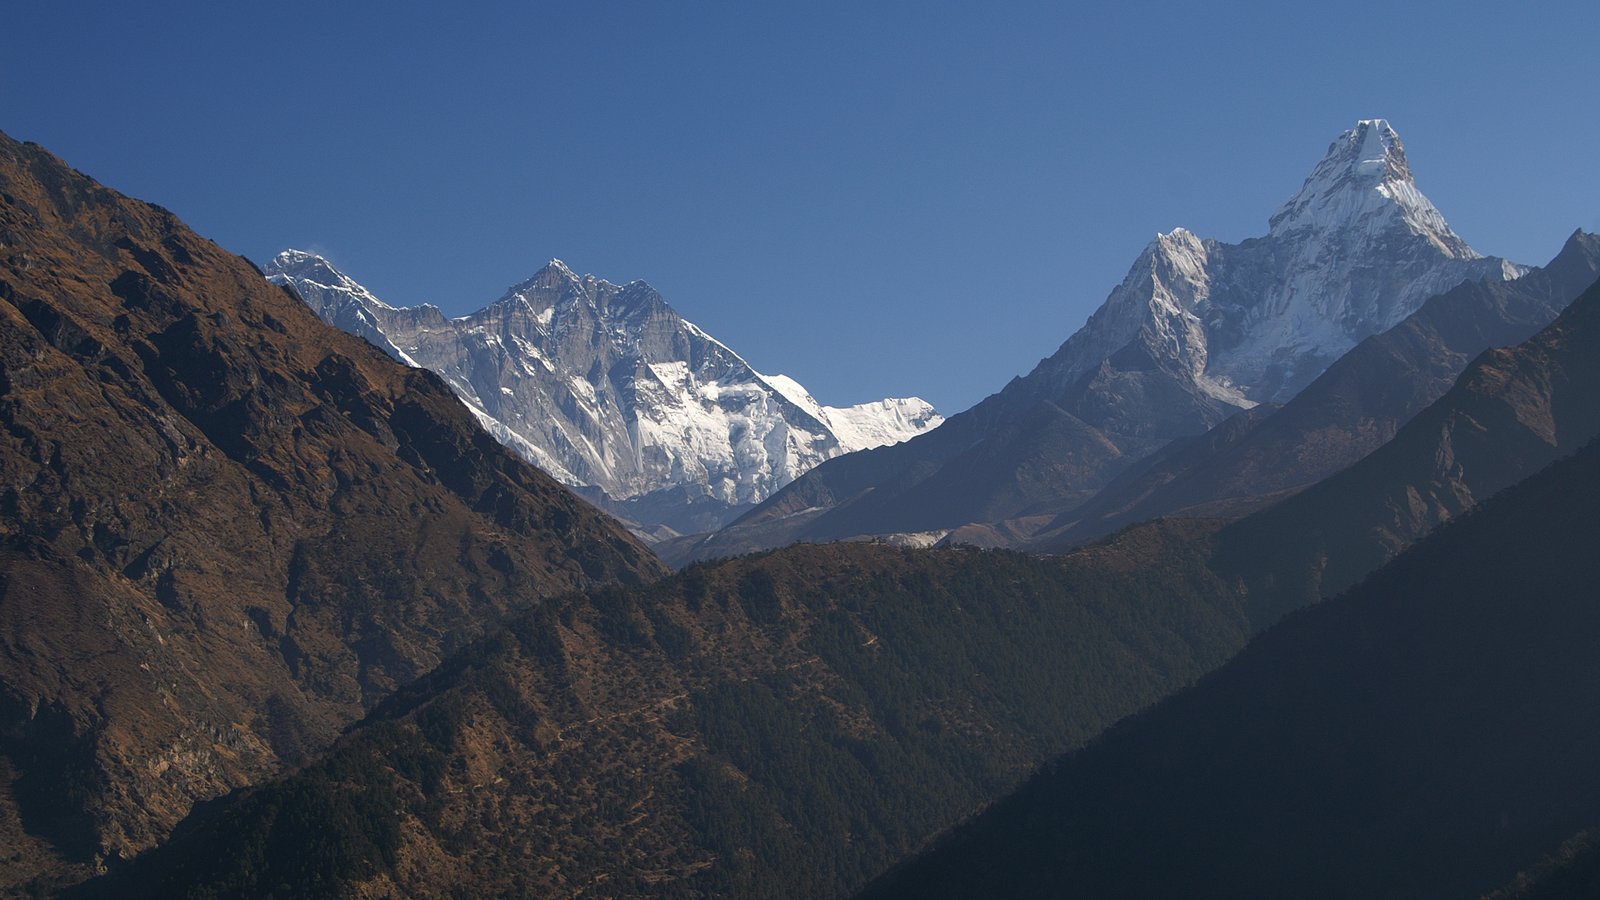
x,y
874,198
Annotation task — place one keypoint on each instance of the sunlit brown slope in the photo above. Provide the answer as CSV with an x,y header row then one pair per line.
x,y
226,529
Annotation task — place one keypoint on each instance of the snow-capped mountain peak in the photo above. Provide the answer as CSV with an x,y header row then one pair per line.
x,y
606,386
337,298
314,269
1364,184
1355,250
865,425
553,279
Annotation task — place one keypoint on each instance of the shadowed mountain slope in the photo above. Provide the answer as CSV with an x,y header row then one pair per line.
x,y
1572,872
1429,734
1512,412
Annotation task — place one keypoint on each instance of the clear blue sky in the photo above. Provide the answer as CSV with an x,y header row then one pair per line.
x,y
874,198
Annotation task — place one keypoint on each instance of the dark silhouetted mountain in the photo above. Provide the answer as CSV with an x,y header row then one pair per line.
x,y
1350,410
1196,332
1429,734
226,529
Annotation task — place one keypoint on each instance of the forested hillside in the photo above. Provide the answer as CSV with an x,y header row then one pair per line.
x,y
785,725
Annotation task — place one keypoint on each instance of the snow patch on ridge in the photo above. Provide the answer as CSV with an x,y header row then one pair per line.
x,y
864,425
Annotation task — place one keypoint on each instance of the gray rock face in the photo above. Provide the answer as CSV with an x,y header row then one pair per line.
x,y
605,386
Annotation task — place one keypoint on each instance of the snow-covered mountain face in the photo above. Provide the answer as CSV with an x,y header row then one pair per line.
x,y
1197,331
605,386
1355,251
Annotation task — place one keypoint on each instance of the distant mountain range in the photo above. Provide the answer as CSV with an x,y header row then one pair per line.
x,y
606,387
1198,331
278,616
736,699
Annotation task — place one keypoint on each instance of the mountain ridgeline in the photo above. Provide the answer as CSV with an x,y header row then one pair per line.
x,y
796,721
1198,331
285,613
226,530
785,724
1511,413
607,388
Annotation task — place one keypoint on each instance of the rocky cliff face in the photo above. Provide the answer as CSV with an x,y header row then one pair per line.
x,y
606,386
226,529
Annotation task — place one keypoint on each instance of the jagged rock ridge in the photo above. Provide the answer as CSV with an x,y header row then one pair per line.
x,y
606,386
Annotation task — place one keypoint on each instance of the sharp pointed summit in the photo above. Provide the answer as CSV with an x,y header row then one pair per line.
x,y
1197,331
1364,184
556,268
1372,149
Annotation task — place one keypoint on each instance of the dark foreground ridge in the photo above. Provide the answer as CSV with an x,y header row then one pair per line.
x,y
1428,734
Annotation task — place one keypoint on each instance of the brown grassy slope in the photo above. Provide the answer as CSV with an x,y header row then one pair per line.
x,y
226,529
